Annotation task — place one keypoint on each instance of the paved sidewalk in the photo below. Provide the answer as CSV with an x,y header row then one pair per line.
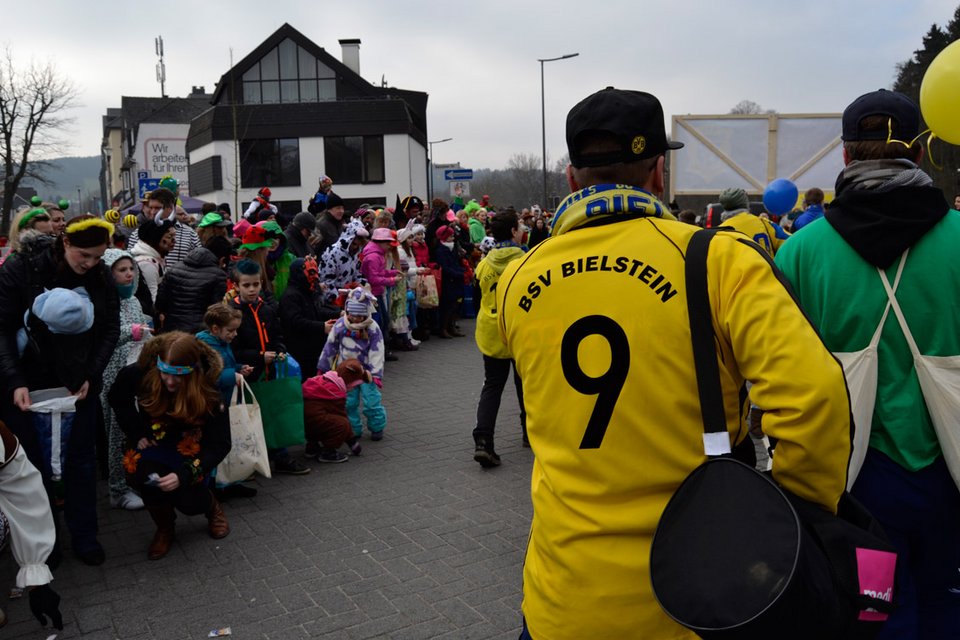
x,y
410,540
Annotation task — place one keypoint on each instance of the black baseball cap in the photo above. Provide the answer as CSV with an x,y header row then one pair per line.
x,y
904,115
634,118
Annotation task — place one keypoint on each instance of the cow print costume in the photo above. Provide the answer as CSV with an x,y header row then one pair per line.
x,y
337,266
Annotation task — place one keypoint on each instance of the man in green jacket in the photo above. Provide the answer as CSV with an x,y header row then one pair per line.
x,y
885,204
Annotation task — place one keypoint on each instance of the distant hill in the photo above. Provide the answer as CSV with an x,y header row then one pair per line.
x,y
65,175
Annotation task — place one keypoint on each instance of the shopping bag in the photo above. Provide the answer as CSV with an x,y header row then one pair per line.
x,y
427,295
282,415
861,369
248,450
53,411
288,367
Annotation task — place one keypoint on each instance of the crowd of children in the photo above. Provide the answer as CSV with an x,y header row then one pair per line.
x,y
327,299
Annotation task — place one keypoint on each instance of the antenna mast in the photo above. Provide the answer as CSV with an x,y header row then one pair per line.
x,y
161,67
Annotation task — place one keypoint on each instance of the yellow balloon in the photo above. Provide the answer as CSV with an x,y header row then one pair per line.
x,y
940,95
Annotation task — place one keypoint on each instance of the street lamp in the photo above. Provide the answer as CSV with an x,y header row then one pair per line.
x,y
543,117
431,164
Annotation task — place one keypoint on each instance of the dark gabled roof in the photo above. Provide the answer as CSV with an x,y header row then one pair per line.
x,y
374,116
344,73
162,110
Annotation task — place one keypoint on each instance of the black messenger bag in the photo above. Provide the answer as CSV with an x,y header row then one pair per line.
x,y
737,556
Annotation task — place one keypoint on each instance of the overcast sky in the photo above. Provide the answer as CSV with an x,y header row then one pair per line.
x,y
478,60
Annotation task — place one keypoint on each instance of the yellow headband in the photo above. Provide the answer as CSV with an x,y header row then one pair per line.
x,y
80,225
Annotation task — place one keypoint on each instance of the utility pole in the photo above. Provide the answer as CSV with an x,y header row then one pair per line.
x,y
161,67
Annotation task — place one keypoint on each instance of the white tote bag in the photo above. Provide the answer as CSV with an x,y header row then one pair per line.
x,y
939,378
860,370
248,451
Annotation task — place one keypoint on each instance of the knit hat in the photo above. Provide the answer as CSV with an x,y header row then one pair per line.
x,y
213,220
333,200
65,311
734,198
325,182
151,231
418,228
451,216
359,302
304,220
264,193
255,238
444,234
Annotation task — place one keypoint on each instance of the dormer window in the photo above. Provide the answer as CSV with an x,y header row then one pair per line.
x,y
288,73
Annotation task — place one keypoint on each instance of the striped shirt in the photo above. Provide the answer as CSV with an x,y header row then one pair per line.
x,y
185,241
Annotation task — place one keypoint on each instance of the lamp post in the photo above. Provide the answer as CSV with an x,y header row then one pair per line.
x,y
543,118
431,164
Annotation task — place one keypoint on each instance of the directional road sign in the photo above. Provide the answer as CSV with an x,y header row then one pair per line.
x,y
458,174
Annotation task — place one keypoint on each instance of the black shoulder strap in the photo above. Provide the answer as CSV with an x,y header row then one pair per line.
x,y
703,339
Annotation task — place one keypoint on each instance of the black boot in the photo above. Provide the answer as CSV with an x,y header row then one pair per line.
x,y
484,453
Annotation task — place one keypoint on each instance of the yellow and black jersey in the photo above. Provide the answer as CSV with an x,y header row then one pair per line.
x,y
596,320
760,230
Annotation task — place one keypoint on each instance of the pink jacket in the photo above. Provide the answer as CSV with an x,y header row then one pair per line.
x,y
373,266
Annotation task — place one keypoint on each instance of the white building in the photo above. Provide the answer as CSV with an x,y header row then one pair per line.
x,y
289,112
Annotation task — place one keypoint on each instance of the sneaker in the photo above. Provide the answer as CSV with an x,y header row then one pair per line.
x,y
485,455
129,500
311,450
376,436
331,456
93,557
290,466
390,357
415,342
355,447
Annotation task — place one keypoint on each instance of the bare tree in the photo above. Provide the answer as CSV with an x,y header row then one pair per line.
x,y
746,107
33,101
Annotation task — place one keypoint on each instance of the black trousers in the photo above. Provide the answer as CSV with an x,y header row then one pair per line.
x,y
495,374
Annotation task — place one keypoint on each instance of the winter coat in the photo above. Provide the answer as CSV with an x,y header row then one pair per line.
x,y
325,409
487,276
302,318
152,267
188,289
343,343
259,331
186,240
422,253
453,272
329,230
296,243
54,360
373,266
227,381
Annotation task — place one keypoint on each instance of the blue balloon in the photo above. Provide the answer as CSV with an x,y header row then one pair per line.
x,y
780,196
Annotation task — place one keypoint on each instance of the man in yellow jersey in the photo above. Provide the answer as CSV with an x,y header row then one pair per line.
x,y
736,215
596,321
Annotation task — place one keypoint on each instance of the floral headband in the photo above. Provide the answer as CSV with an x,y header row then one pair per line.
x,y
173,369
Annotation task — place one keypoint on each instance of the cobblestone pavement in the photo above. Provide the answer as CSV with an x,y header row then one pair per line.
x,y
410,540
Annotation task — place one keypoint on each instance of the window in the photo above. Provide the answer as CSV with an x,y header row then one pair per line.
x,y
270,163
354,159
288,73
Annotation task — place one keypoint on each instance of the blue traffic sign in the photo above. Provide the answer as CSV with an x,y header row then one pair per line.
x,y
147,184
458,174
142,175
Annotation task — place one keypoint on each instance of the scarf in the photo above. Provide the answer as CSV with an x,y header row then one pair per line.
x,y
603,203
357,331
881,175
